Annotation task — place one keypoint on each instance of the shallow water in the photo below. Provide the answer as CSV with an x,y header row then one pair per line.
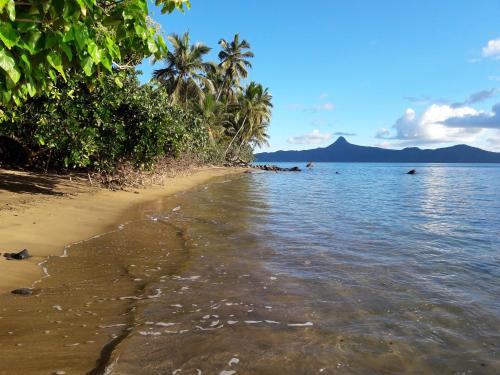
x,y
369,271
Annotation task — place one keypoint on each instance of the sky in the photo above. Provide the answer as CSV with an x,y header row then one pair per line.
x,y
382,73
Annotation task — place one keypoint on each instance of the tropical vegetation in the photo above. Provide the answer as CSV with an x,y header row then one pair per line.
x,y
69,113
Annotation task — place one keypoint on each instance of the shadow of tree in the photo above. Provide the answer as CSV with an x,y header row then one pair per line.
x,y
29,183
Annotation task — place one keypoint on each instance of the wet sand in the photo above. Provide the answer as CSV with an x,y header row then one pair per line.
x,y
44,213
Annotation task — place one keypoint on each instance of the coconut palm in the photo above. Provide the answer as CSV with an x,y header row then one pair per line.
x,y
252,112
185,74
212,114
234,62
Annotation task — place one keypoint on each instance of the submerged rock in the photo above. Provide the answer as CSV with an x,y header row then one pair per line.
x,y
23,254
275,168
413,171
310,164
23,291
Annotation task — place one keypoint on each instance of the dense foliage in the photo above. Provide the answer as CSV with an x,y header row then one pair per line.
x,y
71,64
41,40
100,129
236,116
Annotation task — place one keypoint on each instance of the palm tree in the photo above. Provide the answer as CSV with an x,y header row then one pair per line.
x,y
212,114
185,74
253,113
234,62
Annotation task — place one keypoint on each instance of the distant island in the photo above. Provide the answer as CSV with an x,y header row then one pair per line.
x,y
343,151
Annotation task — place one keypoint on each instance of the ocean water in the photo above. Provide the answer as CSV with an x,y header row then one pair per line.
x,y
338,269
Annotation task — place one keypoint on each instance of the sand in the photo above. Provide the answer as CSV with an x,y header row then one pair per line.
x,y
44,213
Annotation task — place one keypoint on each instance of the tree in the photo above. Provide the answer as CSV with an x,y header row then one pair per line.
x,y
41,41
234,62
185,74
212,114
252,112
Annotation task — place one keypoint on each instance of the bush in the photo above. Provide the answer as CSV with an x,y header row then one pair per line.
x,y
99,127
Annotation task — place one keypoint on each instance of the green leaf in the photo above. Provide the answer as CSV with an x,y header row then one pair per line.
x,y
8,64
11,10
52,75
106,62
152,47
69,35
113,49
83,9
32,43
118,82
67,50
26,62
87,65
51,39
31,87
54,59
2,4
94,52
81,36
6,95
8,34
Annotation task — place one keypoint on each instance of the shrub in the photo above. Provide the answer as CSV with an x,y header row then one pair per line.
x,y
97,128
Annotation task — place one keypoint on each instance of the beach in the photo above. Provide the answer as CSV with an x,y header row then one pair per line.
x,y
230,275
45,213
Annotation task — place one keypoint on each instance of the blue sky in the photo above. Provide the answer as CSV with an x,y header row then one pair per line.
x,y
389,73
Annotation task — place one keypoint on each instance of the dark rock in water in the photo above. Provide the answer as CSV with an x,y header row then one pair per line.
x,y
275,168
413,171
310,164
23,291
337,172
23,254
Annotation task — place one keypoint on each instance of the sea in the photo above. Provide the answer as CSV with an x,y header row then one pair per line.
x,y
342,268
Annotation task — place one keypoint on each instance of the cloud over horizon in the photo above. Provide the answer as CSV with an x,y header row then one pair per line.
x,y
482,120
313,138
443,122
344,134
428,127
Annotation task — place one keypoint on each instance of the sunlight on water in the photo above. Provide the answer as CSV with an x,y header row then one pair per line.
x,y
368,271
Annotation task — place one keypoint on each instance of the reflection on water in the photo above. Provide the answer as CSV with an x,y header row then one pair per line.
x,y
370,271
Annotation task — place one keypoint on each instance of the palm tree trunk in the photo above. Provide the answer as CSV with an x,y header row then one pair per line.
x,y
222,87
238,132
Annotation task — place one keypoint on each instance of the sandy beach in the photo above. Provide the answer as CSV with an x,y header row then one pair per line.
x,y
44,213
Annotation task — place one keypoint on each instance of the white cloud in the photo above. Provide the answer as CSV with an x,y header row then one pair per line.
x,y
480,119
313,138
492,49
383,133
494,78
429,127
344,134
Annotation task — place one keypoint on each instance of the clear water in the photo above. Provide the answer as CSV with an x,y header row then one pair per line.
x,y
364,271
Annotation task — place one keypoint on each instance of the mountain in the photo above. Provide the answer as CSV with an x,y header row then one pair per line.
x,y
343,151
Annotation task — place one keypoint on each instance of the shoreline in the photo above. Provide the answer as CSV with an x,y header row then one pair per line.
x,y
51,215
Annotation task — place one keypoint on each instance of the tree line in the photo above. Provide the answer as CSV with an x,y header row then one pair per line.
x,y
98,119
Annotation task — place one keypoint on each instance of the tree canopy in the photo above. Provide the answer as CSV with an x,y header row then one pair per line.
x,y
41,41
